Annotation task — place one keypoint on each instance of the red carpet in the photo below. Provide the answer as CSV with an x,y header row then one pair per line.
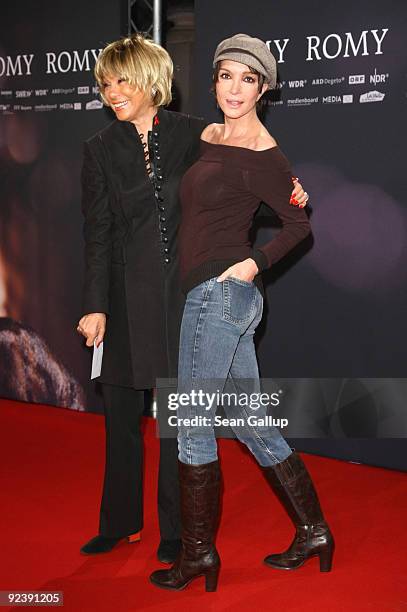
x,y
51,475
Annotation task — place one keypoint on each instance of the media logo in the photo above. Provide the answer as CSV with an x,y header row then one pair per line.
x,y
332,100
356,79
83,90
372,96
66,106
375,78
41,92
6,92
94,105
347,98
77,105
95,89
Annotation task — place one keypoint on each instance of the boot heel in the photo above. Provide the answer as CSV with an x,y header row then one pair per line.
x,y
211,580
325,559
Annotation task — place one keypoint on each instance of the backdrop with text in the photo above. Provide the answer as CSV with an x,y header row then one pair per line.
x,y
48,106
336,306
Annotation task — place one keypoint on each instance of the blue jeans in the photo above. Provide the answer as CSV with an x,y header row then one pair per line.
x,y
217,353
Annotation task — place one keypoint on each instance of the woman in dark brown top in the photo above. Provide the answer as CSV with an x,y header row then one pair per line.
x,y
240,165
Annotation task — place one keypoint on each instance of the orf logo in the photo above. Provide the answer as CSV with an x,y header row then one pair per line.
x,y
356,79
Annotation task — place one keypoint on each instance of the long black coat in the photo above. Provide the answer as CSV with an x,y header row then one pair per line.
x,y
130,245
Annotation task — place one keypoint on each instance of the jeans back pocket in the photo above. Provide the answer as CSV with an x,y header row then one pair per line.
x,y
239,300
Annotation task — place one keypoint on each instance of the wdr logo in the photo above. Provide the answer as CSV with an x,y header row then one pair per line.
x,y
297,83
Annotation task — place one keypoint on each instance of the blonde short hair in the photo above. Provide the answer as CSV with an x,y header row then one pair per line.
x,y
142,63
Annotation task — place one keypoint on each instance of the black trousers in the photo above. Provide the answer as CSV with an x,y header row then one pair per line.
x,y
121,511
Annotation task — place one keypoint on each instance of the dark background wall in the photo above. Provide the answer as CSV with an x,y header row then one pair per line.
x,y
44,119
336,307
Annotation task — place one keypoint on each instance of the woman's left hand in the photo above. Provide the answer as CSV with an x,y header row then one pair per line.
x,y
245,270
299,197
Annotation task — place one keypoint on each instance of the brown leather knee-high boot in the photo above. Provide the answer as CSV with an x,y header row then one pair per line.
x,y
199,491
293,485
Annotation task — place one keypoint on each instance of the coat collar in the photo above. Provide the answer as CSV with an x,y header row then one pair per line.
x,y
164,123
161,122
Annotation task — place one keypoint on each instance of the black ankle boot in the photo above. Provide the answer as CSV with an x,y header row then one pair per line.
x,y
292,484
199,495
101,544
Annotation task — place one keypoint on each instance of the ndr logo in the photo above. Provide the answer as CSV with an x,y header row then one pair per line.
x,y
378,78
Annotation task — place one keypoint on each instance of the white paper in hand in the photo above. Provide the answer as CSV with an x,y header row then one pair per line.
x,y
97,360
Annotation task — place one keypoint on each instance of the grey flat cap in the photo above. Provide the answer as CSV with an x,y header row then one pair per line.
x,y
250,51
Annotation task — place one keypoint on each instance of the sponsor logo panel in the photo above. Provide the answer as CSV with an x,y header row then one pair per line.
x,y
302,101
39,108
22,93
332,100
63,90
328,81
94,105
46,96
372,96
363,51
297,84
376,79
356,79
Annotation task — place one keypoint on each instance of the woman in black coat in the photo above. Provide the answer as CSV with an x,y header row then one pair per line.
x,y
132,296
